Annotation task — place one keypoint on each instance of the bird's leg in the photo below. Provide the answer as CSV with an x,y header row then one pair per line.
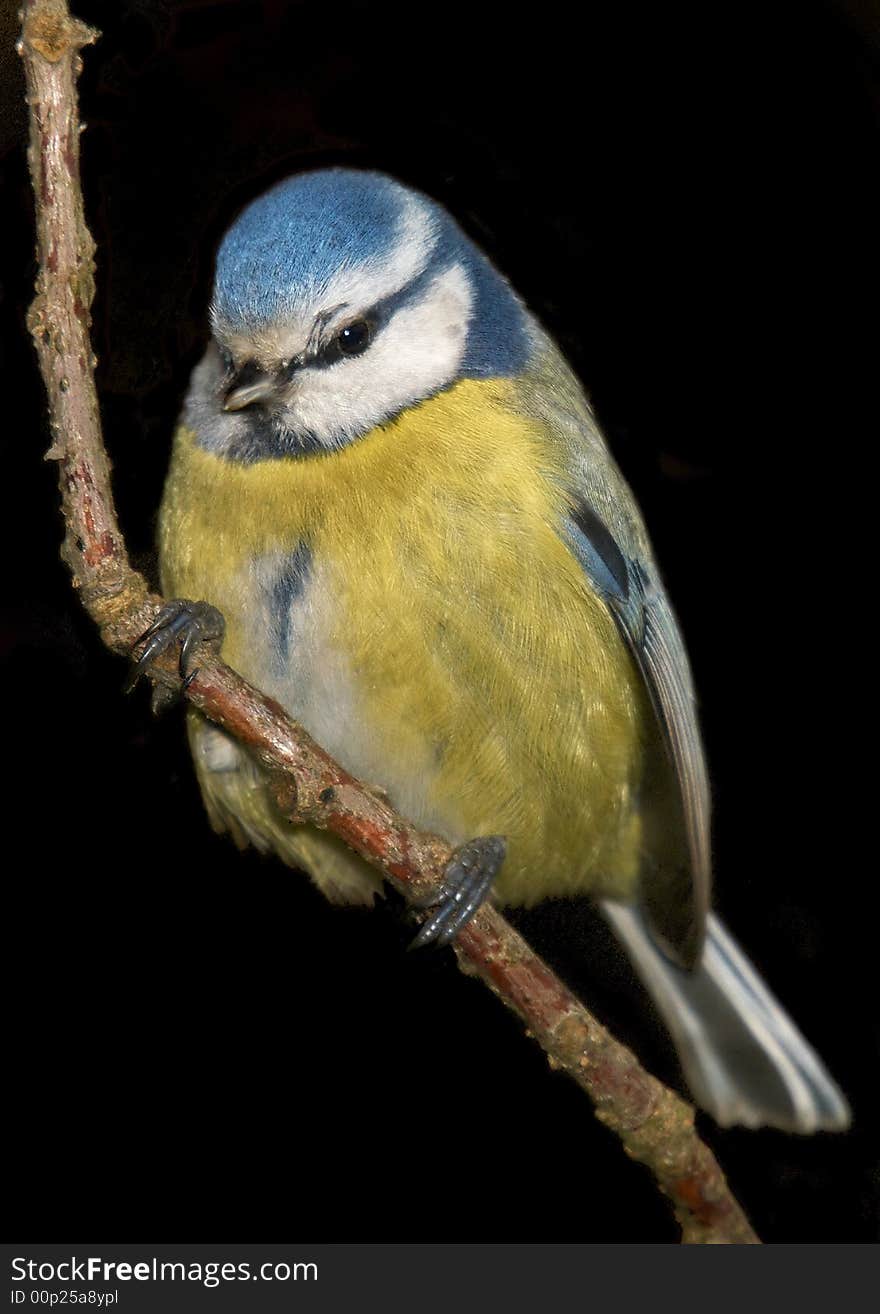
x,y
191,624
467,880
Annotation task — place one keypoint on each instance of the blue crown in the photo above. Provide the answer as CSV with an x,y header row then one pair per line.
x,y
285,247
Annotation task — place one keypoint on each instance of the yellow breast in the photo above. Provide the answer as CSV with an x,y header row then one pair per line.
x,y
475,674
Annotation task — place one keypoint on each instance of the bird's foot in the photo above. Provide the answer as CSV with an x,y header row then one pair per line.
x,y
467,881
192,625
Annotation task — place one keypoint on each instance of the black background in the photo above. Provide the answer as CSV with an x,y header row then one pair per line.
x,y
686,195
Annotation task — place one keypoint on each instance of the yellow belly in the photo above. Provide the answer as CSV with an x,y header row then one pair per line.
x,y
451,649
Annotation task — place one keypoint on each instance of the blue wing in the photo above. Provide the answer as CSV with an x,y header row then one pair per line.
x,y
676,895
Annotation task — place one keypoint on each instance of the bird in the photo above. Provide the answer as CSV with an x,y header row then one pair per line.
x,y
389,499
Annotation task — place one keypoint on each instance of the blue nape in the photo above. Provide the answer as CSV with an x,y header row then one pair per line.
x,y
498,342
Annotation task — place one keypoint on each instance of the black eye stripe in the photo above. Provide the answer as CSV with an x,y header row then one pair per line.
x,y
352,339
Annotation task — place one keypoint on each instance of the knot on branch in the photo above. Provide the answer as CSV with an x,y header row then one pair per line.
x,y
119,601
285,795
52,33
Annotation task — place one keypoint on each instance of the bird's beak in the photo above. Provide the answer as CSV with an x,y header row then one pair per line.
x,y
250,385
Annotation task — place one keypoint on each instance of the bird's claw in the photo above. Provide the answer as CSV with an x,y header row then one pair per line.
x,y
190,624
467,881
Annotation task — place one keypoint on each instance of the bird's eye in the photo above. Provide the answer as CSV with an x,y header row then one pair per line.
x,y
354,338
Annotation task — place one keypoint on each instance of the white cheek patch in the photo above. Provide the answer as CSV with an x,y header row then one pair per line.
x,y
417,353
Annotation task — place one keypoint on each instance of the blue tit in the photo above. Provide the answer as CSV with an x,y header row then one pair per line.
x,y
390,483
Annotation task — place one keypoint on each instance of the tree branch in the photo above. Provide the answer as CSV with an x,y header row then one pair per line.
x,y
653,1124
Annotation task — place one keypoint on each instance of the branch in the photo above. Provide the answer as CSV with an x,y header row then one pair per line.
x,y
653,1124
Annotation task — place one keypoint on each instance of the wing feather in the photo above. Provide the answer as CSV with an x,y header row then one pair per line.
x,y
648,625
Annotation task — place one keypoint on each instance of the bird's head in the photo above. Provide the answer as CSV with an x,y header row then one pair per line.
x,y
340,299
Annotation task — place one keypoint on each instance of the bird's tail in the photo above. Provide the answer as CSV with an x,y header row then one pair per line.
x,y
744,1059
